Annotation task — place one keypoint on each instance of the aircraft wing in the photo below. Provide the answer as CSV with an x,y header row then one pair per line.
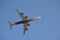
x,y
21,15
25,27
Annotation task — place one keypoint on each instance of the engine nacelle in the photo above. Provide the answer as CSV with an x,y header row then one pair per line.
x,y
22,13
26,17
26,29
28,24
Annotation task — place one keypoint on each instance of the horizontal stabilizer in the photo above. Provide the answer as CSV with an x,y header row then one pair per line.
x,y
10,24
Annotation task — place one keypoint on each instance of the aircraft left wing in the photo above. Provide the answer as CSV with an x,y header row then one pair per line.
x,y
25,27
21,15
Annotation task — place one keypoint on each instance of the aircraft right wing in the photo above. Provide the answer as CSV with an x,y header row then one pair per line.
x,y
21,15
25,27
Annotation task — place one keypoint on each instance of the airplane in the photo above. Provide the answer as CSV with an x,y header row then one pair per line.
x,y
25,21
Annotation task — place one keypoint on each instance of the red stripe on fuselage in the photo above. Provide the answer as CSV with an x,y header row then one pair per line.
x,y
21,22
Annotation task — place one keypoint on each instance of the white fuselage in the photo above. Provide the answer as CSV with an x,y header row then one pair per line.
x,y
27,20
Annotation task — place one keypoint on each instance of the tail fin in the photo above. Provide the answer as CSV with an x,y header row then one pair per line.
x,y
10,24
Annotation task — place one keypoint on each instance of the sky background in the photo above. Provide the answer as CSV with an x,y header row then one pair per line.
x,y
46,28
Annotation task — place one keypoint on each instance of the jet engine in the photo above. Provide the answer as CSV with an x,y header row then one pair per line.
x,y
26,17
28,24
22,13
26,29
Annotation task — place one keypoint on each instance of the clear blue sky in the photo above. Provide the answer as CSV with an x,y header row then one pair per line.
x,y
48,28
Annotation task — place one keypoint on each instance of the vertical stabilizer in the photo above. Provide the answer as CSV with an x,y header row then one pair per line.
x,y
10,24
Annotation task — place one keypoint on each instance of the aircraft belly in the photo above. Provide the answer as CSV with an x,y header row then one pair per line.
x,y
20,22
